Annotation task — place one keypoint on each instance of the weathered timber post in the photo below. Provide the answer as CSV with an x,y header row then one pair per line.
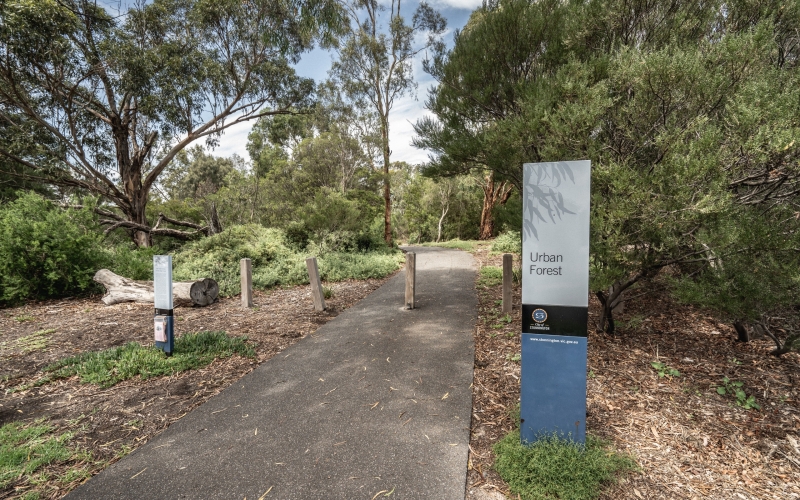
x,y
316,284
246,266
411,278
508,275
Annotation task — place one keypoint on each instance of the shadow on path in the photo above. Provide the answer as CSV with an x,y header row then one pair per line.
x,y
378,399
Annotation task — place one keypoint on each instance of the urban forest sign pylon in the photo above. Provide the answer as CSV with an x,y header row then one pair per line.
x,y
555,299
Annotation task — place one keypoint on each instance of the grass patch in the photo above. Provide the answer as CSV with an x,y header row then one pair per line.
x,y
557,468
23,318
111,366
24,449
35,341
466,245
490,276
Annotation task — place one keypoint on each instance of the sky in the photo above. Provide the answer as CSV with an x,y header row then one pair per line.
x,y
406,111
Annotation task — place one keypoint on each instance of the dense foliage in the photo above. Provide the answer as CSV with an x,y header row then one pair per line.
x,y
688,111
275,261
45,251
375,66
104,103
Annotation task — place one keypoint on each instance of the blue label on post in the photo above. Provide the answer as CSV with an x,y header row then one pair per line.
x,y
553,387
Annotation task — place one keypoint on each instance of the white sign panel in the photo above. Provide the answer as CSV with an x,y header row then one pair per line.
x,y
162,281
555,233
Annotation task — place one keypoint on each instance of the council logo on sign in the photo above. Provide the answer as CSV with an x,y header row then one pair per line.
x,y
539,315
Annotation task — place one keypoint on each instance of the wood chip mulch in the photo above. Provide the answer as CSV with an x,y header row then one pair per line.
x,y
689,441
110,423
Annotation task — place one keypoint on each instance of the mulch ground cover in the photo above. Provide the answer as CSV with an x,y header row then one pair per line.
x,y
110,423
689,440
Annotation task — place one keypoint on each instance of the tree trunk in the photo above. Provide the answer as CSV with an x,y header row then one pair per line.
x,y
611,303
184,293
214,224
387,196
493,195
130,169
441,221
135,212
487,221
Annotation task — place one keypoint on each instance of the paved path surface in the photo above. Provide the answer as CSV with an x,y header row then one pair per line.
x,y
378,399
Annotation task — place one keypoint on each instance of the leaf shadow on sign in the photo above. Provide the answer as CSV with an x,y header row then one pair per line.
x,y
543,195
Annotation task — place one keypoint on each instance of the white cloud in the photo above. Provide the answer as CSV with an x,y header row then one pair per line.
x,y
406,111
458,4
234,141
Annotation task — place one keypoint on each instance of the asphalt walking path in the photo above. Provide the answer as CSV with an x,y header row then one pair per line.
x,y
378,400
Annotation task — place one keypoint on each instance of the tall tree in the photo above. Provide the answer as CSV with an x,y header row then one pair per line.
x,y
494,194
375,65
119,97
688,111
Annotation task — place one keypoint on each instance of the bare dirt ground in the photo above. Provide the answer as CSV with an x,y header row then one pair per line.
x,y
109,423
689,441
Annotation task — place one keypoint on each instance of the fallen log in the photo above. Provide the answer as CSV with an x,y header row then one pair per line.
x,y
184,293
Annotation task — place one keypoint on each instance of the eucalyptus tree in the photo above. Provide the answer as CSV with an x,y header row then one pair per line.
x,y
375,65
688,111
117,97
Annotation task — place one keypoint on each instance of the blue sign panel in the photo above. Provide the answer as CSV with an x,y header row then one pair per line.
x,y
555,299
554,387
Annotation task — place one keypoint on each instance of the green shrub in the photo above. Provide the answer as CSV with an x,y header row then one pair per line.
x,y
276,261
111,366
557,468
508,242
46,251
134,263
218,257
331,223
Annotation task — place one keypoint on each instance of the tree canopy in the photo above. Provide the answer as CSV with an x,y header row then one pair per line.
x,y
374,67
104,103
688,111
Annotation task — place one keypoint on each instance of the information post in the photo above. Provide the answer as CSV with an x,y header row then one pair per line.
x,y
162,292
555,299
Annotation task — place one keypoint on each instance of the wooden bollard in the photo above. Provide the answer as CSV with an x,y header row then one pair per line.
x,y
316,284
508,275
411,278
247,282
